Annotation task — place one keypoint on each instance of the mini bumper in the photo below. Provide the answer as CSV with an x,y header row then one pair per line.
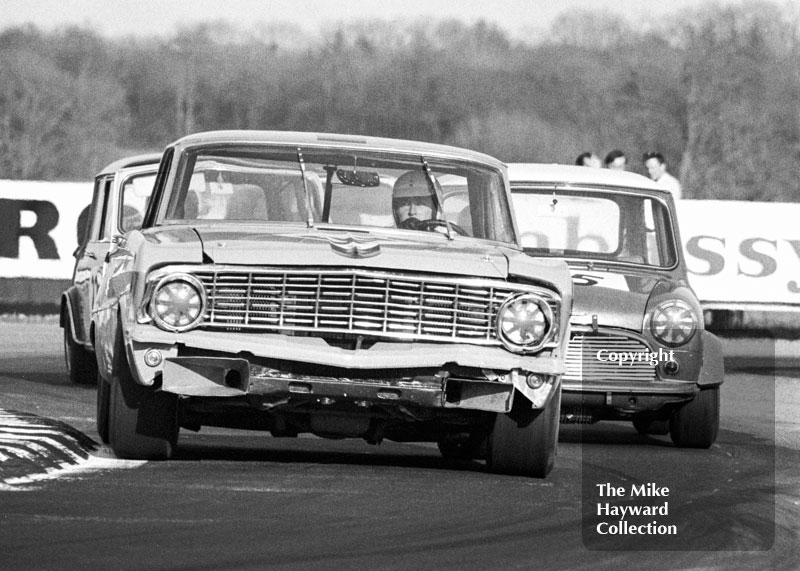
x,y
624,398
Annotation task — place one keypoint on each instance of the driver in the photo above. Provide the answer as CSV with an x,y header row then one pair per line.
x,y
413,201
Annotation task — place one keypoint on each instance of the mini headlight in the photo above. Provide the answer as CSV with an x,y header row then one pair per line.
x,y
178,302
524,322
673,322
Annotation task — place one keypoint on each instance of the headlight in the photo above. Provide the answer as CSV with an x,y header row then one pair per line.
x,y
178,302
673,322
524,322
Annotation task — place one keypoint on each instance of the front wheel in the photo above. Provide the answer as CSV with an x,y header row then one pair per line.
x,y
142,423
525,442
696,424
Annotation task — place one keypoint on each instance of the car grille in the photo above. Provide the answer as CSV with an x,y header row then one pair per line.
x,y
358,302
583,364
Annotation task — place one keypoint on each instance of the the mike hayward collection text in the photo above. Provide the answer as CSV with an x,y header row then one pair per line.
x,y
628,518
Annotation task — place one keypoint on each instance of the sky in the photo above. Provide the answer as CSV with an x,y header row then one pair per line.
x,y
162,17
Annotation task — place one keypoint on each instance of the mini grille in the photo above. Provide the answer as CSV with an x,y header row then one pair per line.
x,y
583,363
369,303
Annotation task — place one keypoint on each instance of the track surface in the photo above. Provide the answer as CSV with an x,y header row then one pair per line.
x,y
241,500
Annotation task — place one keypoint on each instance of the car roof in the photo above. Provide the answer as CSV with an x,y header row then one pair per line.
x,y
540,173
332,139
132,161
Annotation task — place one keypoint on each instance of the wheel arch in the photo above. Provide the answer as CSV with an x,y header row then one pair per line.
x,y
712,372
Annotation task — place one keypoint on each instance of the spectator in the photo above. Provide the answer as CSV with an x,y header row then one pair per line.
x,y
657,170
588,159
616,160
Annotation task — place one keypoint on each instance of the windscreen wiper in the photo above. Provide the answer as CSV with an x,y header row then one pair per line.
x,y
310,221
437,193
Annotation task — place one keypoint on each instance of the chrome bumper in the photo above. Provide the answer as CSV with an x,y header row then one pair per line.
x,y
312,350
236,367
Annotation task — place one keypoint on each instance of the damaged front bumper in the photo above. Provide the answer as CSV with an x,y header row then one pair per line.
x,y
270,369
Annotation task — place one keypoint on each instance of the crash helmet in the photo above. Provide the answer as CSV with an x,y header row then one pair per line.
x,y
413,184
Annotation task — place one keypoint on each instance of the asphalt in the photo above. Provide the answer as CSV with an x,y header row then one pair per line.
x,y
34,448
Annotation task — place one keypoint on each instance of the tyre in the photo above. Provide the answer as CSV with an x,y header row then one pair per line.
x,y
103,398
80,362
696,424
463,446
655,426
525,442
142,423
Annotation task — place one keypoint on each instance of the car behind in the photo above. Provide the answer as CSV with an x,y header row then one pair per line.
x,y
121,192
638,351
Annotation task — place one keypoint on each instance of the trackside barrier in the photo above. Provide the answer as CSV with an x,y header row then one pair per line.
x,y
740,255
38,235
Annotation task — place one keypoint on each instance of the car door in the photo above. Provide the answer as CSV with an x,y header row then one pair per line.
x,y
90,255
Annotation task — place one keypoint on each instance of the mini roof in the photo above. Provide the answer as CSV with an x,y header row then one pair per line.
x,y
570,174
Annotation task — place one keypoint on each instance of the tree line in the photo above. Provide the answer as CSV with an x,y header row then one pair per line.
x,y
716,91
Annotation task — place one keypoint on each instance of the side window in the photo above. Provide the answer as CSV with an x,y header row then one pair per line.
x,y
136,191
102,221
653,255
95,222
658,230
490,211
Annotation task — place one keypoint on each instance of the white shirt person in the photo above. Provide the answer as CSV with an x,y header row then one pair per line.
x,y
657,170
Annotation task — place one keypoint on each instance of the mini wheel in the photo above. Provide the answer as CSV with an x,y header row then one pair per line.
x,y
696,424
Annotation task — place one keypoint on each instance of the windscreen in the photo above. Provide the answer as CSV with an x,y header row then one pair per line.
x,y
596,226
354,188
